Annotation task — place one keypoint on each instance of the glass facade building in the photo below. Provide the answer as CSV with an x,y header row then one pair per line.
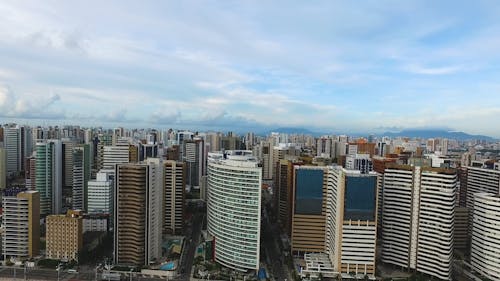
x,y
360,198
309,191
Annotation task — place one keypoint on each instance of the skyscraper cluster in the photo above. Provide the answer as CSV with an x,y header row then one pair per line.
x,y
345,206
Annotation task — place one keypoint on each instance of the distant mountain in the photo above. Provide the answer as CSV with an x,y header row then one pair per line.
x,y
292,130
436,133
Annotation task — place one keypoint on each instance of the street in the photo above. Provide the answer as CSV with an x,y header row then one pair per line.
x,y
271,241
192,240
39,274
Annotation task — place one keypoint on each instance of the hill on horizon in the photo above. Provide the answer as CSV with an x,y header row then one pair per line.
x,y
436,133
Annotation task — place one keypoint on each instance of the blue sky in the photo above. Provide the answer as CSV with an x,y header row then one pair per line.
x,y
331,66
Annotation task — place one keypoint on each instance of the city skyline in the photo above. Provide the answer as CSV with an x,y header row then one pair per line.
x,y
331,66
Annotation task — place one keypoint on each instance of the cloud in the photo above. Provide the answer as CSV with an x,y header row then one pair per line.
x,y
418,69
166,116
8,74
40,108
330,65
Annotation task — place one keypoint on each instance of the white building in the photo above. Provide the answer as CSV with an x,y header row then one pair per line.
x,y
418,219
485,246
351,222
100,194
360,162
480,180
95,223
234,206
113,155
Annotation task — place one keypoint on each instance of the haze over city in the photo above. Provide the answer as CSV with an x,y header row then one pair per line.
x,y
221,65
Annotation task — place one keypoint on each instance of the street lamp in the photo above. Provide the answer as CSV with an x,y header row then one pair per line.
x,y
131,273
58,268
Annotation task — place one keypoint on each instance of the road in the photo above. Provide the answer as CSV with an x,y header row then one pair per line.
x,y
38,274
271,241
11,273
192,240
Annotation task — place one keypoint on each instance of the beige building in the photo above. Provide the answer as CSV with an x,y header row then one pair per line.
x,y
309,209
64,236
21,217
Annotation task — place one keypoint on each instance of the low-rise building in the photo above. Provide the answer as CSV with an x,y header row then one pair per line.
x,y
64,236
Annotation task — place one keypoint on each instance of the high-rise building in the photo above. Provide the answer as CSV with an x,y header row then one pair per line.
x,y
249,141
413,235
64,236
360,162
49,180
21,222
234,209
309,209
30,173
67,149
174,197
379,166
231,142
26,145
480,180
137,212
324,147
133,153
149,150
283,192
473,180
213,141
81,176
100,194
3,168
181,137
485,246
266,154
284,151
351,221
195,159
12,145
113,155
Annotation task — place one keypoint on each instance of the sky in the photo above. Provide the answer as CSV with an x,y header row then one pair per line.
x,y
331,66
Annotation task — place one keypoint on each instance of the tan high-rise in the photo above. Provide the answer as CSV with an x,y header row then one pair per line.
x,y
21,221
137,212
64,236
130,213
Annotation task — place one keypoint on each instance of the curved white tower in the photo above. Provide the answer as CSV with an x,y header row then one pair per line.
x,y
234,203
485,248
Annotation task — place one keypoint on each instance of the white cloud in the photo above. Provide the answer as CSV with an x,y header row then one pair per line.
x,y
12,106
418,69
216,62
